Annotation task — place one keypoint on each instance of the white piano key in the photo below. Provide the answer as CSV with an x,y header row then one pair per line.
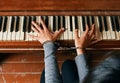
x,y
62,35
18,33
104,33
38,19
97,31
1,32
31,32
21,28
117,35
5,33
13,32
81,26
57,26
70,33
51,23
26,33
90,19
38,22
13,35
86,20
73,25
118,32
9,33
56,22
66,34
112,33
108,35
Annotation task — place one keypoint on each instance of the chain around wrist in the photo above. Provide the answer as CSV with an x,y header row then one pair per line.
x,y
80,48
47,41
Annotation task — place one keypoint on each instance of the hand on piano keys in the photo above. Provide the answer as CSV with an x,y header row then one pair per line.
x,y
43,34
85,40
16,28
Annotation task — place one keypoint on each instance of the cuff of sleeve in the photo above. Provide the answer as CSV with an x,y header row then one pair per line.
x,y
50,45
80,57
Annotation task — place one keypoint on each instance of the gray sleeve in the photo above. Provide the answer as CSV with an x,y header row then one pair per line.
x,y
82,67
52,74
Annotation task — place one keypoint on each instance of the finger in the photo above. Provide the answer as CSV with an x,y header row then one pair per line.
x,y
33,37
57,33
36,26
43,24
76,34
94,42
93,37
86,31
34,29
92,30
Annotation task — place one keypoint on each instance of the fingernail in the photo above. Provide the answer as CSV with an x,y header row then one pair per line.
x,y
63,29
32,22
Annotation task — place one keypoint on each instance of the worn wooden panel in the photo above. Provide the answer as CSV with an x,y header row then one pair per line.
x,y
19,78
56,5
21,68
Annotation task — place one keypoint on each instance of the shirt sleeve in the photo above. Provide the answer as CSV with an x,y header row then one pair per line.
x,y
82,67
52,74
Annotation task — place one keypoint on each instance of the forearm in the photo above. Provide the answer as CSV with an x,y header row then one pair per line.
x,y
52,74
81,66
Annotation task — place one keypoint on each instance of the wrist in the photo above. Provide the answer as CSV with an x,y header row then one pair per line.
x,y
80,50
50,44
47,41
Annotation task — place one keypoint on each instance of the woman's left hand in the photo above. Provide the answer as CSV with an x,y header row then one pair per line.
x,y
43,34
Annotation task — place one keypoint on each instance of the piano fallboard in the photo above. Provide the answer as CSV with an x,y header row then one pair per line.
x,y
63,7
35,46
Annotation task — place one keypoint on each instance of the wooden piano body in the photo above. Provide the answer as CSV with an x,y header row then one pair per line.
x,y
22,61
56,7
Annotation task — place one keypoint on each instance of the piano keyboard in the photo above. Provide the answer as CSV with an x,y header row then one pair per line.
x,y
17,28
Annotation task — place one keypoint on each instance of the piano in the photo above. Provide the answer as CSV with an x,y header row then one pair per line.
x,y
16,17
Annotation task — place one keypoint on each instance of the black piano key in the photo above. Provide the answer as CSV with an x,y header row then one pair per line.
x,y
24,24
112,22
63,21
34,18
1,22
88,21
47,21
76,22
100,23
54,23
17,24
71,28
83,22
59,22
12,24
92,18
105,23
117,23
29,24
42,17
5,24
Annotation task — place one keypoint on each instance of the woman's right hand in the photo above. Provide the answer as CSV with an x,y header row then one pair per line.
x,y
85,40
